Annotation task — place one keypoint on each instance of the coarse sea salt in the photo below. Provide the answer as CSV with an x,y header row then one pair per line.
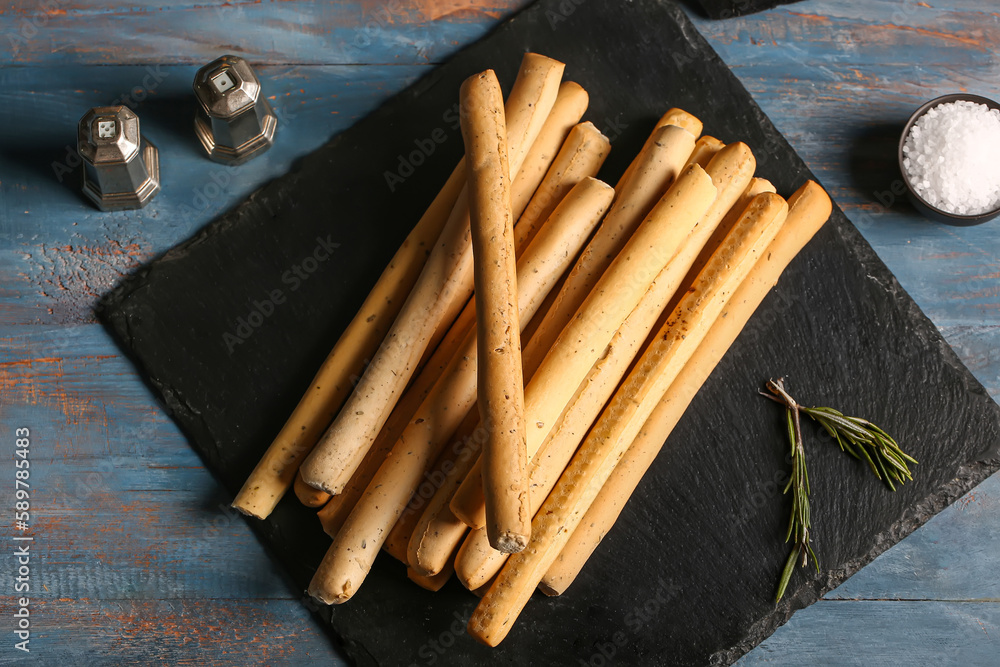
x,y
952,157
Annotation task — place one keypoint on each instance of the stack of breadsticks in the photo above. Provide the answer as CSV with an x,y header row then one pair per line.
x,y
532,343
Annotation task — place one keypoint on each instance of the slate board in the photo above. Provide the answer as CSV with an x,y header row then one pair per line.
x,y
724,9
688,575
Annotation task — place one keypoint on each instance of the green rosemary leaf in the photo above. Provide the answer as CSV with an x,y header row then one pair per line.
x,y
786,574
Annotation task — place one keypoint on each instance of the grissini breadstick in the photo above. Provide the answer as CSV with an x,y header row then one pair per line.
x,y
437,533
619,424
276,470
398,539
808,210
655,169
500,392
353,550
581,155
344,445
681,118
307,495
730,171
704,149
676,117
432,583
399,536
570,105
756,187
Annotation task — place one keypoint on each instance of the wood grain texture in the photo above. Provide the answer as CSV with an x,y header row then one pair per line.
x,y
140,561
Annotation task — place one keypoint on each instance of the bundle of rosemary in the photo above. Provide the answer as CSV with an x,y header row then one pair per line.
x,y
858,437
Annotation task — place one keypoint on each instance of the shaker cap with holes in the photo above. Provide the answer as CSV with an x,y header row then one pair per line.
x,y
234,122
121,169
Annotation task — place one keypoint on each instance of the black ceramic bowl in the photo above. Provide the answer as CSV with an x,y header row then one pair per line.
x,y
921,205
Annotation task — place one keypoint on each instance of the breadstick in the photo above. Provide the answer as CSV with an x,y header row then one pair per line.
x,y
571,102
500,383
436,533
350,557
683,119
276,470
704,150
808,210
675,117
655,169
756,187
307,495
433,583
581,155
350,436
570,105
730,172
437,476
620,423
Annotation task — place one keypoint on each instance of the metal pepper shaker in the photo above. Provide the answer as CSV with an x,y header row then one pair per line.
x,y
234,122
121,168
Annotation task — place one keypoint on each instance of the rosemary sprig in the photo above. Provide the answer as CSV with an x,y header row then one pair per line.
x,y
858,437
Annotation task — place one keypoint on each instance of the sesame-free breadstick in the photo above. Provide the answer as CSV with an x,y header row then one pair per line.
x,y
350,436
654,170
808,210
580,156
570,105
730,172
500,384
676,117
619,423
353,550
432,583
277,468
307,495
704,150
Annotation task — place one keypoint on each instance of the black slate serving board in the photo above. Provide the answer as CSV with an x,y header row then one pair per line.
x,y
688,575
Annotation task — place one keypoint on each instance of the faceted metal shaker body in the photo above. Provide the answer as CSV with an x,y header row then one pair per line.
x,y
121,169
234,122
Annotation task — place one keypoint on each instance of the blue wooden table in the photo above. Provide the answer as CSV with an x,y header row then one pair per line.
x,y
136,557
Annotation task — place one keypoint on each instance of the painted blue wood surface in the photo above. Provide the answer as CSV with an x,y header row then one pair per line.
x,y
138,559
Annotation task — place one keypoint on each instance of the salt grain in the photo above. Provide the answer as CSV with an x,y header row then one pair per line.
x,y
952,157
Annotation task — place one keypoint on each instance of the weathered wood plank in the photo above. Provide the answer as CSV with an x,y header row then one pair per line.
x,y
60,32
876,633
173,632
